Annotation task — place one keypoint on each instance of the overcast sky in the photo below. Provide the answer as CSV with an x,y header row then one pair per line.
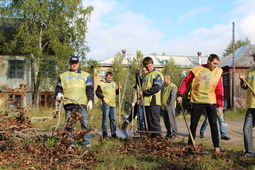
x,y
181,27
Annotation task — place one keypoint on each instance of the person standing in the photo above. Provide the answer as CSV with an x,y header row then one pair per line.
x,y
168,106
151,93
223,131
249,120
107,91
206,93
77,85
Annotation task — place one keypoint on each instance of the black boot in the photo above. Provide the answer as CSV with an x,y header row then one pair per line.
x,y
124,125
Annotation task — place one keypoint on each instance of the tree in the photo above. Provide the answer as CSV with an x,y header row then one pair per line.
x,y
238,44
49,30
174,70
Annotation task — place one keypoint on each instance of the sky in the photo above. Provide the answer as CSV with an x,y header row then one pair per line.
x,y
182,27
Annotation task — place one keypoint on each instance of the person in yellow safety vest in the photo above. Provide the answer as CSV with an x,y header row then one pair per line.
x,y
107,91
151,93
206,93
77,85
249,121
168,104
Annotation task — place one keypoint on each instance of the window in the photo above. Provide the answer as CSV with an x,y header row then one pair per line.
x,y
46,99
102,73
16,69
15,100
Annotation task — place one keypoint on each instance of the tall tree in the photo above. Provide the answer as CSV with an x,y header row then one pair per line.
x,y
238,44
45,30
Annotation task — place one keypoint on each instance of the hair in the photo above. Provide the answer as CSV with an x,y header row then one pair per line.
x,y
213,56
253,55
108,73
147,60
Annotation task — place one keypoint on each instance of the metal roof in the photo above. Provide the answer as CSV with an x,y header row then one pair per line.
x,y
243,57
159,60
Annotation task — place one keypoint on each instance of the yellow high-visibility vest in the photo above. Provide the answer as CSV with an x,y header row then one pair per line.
x,y
74,86
250,78
109,92
147,84
204,85
166,93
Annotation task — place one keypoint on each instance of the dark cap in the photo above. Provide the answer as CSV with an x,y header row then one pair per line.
x,y
74,59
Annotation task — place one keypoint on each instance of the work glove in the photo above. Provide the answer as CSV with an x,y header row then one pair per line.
x,y
60,96
89,105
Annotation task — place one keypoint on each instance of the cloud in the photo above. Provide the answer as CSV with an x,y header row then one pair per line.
x,y
192,12
113,28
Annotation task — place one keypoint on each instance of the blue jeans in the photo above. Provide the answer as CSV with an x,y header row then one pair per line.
x,y
223,131
249,123
110,112
84,125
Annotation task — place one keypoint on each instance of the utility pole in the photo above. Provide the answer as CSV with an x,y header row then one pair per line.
x,y
233,67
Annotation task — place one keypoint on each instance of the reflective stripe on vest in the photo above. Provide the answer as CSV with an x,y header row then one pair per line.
x,y
250,78
147,84
166,93
109,92
204,85
74,87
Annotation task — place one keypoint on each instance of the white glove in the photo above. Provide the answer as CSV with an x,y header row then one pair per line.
x,y
89,105
60,96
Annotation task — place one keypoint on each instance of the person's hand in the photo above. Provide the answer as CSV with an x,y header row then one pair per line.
x,y
105,99
179,99
138,101
120,86
60,97
90,105
219,111
141,93
242,76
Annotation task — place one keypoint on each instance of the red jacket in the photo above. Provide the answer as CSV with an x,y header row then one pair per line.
x,y
218,91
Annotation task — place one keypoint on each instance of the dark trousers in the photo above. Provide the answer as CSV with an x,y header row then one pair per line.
x,y
196,112
153,116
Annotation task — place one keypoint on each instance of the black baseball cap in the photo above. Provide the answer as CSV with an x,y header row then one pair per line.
x,y
74,59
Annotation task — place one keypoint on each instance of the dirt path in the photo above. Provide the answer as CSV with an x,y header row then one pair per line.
x,y
234,131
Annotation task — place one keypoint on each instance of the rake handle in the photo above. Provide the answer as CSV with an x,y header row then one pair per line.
x,y
248,85
190,134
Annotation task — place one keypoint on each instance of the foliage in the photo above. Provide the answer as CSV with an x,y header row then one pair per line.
x,y
238,44
174,70
89,66
44,31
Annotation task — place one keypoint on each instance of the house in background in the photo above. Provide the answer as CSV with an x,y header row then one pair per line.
x,y
16,84
242,61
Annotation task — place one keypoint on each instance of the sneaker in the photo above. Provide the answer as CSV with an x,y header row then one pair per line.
x,y
247,155
201,135
216,150
225,138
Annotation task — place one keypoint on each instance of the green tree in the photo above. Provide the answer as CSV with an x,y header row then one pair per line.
x,y
174,70
49,30
238,44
